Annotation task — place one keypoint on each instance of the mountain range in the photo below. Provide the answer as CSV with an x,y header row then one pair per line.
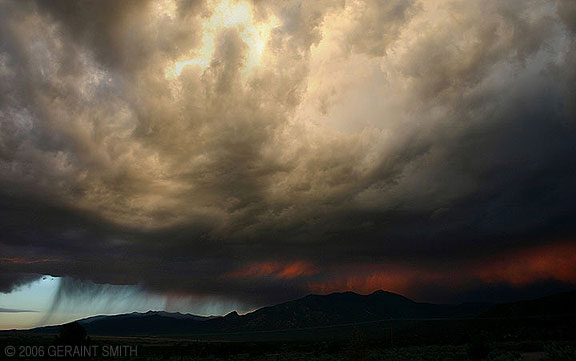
x,y
315,311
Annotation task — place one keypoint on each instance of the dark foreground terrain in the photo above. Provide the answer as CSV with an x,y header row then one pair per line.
x,y
356,347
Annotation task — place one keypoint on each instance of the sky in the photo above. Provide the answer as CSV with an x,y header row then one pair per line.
x,y
206,156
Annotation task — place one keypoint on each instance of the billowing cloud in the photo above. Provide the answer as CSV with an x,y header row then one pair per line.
x,y
252,150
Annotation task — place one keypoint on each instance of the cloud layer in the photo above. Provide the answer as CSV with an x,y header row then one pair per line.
x,y
261,150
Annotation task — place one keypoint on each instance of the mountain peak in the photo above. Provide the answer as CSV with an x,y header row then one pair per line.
x,y
382,292
232,314
387,293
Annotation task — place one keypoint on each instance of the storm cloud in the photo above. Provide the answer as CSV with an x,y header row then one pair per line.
x,y
262,150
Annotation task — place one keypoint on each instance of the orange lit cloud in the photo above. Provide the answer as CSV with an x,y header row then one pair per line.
x,y
367,279
26,261
518,268
275,269
555,262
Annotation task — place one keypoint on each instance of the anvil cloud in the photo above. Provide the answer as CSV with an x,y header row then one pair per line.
x,y
259,150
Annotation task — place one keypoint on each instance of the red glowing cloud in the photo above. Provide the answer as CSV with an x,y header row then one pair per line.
x,y
516,268
275,269
369,278
550,262
27,261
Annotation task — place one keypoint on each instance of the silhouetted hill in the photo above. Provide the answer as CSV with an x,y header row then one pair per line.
x,y
342,308
309,311
142,324
149,323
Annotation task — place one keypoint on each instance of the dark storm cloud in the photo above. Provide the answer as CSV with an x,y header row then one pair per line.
x,y
10,281
409,137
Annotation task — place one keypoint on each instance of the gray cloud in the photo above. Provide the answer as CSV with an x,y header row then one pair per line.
x,y
10,310
330,134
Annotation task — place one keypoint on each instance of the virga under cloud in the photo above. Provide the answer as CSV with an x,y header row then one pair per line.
x,y
225,147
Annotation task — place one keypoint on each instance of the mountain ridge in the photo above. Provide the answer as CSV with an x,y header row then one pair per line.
x,y
311,311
